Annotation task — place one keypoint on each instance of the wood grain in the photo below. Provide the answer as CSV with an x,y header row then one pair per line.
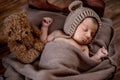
x,y
112,11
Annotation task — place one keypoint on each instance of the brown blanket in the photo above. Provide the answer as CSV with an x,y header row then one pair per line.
x,y
62,61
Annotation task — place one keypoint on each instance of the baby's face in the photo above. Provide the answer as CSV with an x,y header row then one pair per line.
x,y
85,31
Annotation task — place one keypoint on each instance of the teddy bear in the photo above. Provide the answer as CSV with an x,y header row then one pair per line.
x,y
23,38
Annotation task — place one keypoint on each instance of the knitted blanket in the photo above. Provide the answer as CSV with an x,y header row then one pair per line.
x,y
62,61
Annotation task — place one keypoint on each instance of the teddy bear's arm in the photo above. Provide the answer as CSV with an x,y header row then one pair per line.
x,y
22,53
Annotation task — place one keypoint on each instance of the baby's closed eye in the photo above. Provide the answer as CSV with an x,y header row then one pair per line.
x,y
85,29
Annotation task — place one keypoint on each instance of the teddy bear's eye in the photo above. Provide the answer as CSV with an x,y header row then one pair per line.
x,y
9,33
26,32
18,42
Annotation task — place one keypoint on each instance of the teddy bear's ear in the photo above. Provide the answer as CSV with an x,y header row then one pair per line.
x,y
75,5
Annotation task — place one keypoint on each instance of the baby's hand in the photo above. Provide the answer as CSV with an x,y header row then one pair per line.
x,y
102,52
46,21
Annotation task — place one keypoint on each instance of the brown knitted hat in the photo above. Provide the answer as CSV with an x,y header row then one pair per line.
x,y
77,15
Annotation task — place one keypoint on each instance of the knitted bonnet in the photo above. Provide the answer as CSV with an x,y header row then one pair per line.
x,y
77,14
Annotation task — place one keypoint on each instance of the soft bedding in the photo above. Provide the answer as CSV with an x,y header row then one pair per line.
x,y
62,64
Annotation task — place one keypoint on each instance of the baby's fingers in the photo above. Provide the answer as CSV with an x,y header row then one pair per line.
x,y
104,51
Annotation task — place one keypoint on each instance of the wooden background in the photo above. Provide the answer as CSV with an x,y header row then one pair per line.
x,y
112,11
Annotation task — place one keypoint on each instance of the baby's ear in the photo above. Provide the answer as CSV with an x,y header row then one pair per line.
x,y
75,5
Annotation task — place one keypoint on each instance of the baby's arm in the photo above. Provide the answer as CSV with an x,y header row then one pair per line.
x,y
46,22
102,52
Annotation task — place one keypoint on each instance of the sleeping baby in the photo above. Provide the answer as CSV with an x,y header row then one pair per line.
x,y
80,28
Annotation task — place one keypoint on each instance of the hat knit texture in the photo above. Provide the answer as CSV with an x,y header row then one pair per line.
x,y
76,16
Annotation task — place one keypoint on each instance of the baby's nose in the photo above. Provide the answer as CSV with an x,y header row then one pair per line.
x,y
88,35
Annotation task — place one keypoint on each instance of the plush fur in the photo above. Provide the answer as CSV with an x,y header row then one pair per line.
x,y
23,38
